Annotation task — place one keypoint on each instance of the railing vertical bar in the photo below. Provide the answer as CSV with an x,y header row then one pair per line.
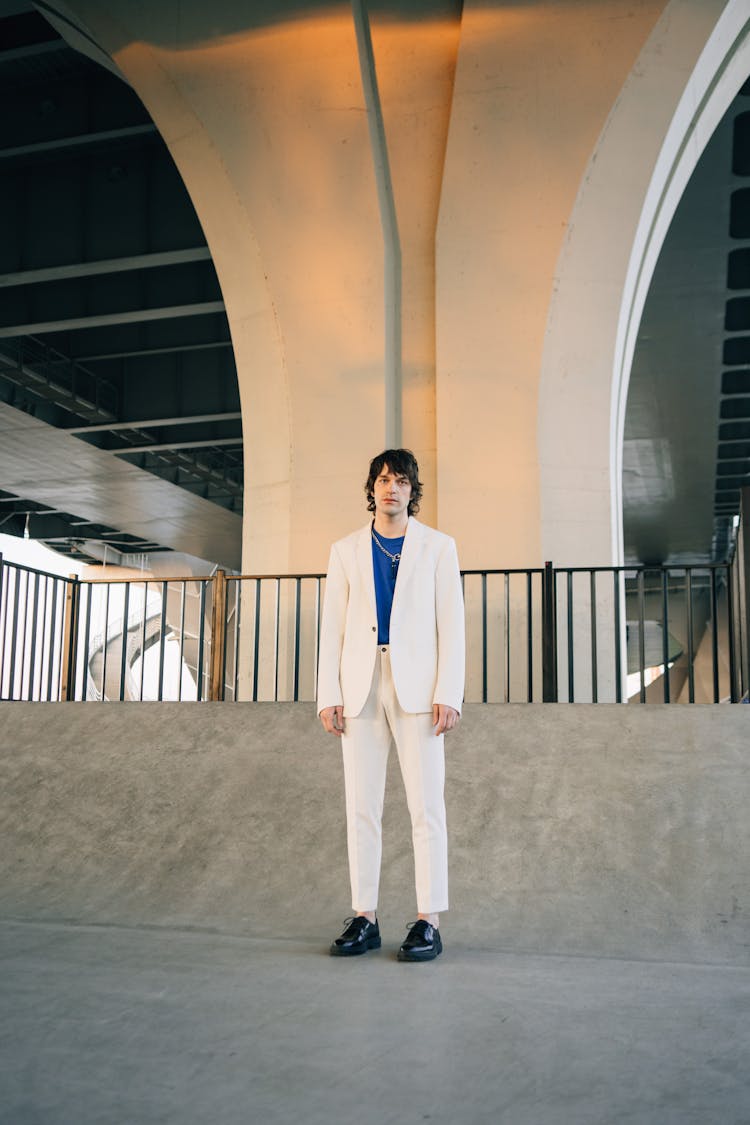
x,y
201,638
733,696
665,632
105,643
619,589
24,629
256,644
549,634
218,632
529,638
225,618
237,613
8,587
62,593
34,621
52,637
689,609
506,635
743,594
4,570
143,638
571,669
318,610
714,635
276,642
183,599
2,587
44,641
124,638
592,617
70,636
86,643
46,635
297,618
43,635
225,636
162,640
642,634
484,636
13,637
57,619
39,637
224,640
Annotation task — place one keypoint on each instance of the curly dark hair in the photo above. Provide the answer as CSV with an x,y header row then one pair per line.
x,y
403,463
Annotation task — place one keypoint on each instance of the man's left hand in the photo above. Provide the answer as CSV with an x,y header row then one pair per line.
x,y
444,718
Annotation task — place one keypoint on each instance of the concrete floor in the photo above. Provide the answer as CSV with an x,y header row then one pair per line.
x,y
116,1026
597,963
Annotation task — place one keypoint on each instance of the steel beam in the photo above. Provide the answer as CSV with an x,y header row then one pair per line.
x,y
79,141
41,385
139,316
175,445
15,54
108,265
137,353
150,423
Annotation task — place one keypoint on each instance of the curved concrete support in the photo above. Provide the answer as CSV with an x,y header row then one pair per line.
x,y
534,86
161,77
265,117
687,74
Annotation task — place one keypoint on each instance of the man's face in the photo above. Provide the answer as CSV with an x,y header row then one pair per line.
x,y
392,492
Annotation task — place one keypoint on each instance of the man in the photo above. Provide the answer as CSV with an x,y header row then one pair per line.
x,y
392,669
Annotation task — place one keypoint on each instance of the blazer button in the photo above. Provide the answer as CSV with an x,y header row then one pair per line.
x,y
373,628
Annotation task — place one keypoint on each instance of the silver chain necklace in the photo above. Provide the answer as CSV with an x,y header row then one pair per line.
x,y
394,558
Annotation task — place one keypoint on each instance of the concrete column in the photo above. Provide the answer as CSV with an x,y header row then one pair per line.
x,y
264,112
688,72
534,86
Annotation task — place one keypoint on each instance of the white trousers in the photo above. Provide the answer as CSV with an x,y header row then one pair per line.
x,y
366,744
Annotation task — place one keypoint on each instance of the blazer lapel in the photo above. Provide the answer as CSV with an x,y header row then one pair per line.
x,y
409,556
364,562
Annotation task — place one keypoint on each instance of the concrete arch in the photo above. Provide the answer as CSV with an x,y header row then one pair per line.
x,y
695,60
264,113
160,77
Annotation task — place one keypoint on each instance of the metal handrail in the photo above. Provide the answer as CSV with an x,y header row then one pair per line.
x,y
540,633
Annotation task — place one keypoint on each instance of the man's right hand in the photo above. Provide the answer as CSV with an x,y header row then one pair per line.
x,y
332,719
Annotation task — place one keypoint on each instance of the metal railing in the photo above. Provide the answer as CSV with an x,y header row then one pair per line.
x,y
595,634
33,617
649,634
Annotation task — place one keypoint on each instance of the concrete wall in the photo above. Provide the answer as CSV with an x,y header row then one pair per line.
x,y
608,830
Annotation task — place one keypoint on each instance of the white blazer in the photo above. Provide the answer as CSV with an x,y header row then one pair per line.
x,y
427,630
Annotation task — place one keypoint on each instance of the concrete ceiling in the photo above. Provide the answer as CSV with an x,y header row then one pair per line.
x,y
112,323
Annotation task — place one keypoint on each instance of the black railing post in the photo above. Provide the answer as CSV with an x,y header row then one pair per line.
x,y
70,639
744,574
549,636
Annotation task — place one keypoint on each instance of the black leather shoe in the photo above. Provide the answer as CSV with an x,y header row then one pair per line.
x,y
359,936
422,944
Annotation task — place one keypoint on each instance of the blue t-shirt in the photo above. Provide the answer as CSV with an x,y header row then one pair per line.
x,y
385,583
